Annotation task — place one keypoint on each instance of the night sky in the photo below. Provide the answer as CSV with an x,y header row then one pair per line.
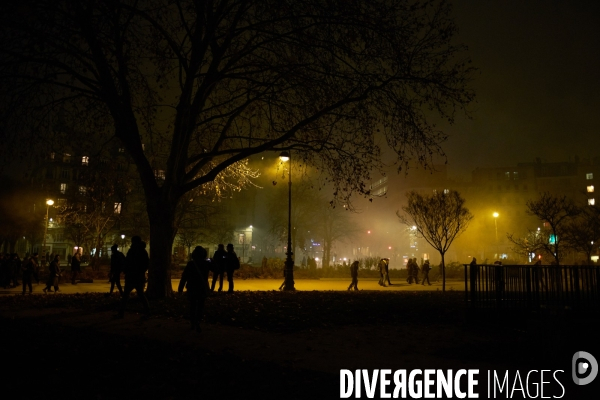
x,y
538,85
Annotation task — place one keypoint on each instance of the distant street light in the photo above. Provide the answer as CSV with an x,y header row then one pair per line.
x,y
289,263
49,202
496,215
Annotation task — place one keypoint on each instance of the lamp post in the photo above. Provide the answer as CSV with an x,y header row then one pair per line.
x,y
289,263
49,202
496,215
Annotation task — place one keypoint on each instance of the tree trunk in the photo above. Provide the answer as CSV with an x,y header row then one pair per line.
x,y
326,253
443,273
161,245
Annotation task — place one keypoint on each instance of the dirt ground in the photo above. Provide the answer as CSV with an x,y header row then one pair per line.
x,y
268,344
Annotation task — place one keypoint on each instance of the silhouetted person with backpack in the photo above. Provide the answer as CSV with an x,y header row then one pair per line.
x,y
117,264
195,278
232,262
136,265
354,275
218,267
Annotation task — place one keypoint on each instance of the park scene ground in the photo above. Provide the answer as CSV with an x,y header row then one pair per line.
x,y
271,344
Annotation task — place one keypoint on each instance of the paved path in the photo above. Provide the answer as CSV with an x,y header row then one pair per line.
x,y
103,286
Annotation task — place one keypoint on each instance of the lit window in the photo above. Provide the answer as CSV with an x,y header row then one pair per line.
x,y
143,146
590,189
52,156
589,176
63,188
85,160
82,190
507,175
159,173
121,150
117,208
515,176
591,202
446,191
66,158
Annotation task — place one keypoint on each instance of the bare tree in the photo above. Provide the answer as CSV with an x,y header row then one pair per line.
x,y
192,88
439,218
333,224
556,213
583,232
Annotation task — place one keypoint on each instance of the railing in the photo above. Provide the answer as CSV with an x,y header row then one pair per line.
x,y
532,286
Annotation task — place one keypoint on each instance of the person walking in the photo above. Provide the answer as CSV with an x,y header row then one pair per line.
x,y
232,262
53,276
117,264
75,266
218,267
28,268
195,279
354,275
136,265
382,272
426,268
387,270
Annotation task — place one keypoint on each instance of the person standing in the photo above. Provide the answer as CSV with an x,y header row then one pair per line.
x,y
75,266
218,267
426,269
117,263
195,278
232,262
28,268
136,265
54,275
354,275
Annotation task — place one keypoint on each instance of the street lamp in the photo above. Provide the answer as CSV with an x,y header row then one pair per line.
x,y
49,202
496,215
289,263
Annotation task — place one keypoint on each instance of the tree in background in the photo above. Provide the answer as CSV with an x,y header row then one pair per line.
x,y
191,89
438,218
556,213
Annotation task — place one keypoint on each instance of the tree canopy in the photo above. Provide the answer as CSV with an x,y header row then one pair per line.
x,y
193,88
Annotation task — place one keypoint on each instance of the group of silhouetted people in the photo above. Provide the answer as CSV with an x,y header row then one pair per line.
x,y
195,277
384,272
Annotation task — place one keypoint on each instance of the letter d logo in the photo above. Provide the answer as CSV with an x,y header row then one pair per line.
x,y
584,363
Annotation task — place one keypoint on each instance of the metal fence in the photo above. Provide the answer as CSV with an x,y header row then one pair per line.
x,y
532,286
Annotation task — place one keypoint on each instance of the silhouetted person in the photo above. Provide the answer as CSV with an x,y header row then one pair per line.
x,y
232,262
75,266
136,265
426,269
195,278
387,270
53,275
382,272
218,267
15,269
28,267
354,275
117,264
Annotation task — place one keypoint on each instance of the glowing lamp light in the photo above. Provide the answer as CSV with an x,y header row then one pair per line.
x,y
496,215
50,202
